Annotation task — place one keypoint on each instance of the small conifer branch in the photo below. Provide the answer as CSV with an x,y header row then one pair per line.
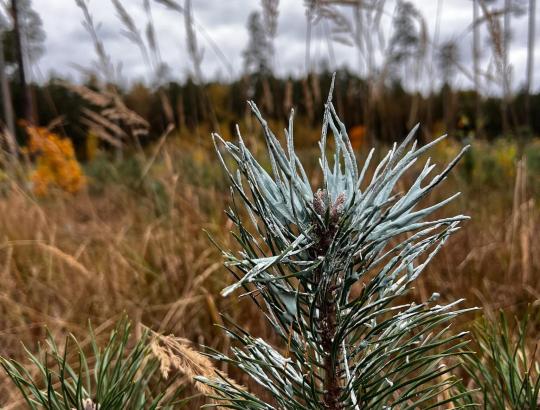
x,y
328,265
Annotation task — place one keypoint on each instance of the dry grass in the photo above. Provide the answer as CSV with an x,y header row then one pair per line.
x,y
119,247
494,261
176,355
68,259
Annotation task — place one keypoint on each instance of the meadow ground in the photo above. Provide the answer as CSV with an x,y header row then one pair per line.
x,y
134,241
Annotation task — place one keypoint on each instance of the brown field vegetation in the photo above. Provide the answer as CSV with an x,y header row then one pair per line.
x,y
133,241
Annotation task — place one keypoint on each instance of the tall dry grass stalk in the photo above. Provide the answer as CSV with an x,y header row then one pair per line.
x,y
176,355
112,121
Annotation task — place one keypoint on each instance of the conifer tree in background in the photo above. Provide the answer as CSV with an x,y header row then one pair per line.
x,y
258,53
331,267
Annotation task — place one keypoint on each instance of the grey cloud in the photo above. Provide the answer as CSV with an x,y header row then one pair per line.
x,y
225,23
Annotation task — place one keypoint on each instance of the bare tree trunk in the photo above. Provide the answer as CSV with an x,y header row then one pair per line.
x,y
181,112
434,44
530,60
27,95
308,40
476,70
365,58
316,88
506,73
288,99
308,100
6,98
267,95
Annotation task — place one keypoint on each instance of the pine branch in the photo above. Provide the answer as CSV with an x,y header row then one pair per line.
x,y
328,266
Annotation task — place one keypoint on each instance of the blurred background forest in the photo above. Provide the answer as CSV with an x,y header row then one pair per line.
x,y
403,73
107,181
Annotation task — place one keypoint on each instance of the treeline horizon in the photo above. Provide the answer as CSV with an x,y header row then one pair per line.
x,y
377,99
215,106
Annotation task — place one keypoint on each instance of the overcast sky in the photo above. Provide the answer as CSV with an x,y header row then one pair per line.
x,y
224,21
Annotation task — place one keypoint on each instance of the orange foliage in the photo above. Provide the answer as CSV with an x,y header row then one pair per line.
x,y
357,135
56,162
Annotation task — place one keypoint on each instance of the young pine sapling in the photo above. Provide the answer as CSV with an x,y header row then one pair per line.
x,y
330,267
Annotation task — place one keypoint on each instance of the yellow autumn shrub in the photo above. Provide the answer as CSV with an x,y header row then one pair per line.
x,y
56,164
